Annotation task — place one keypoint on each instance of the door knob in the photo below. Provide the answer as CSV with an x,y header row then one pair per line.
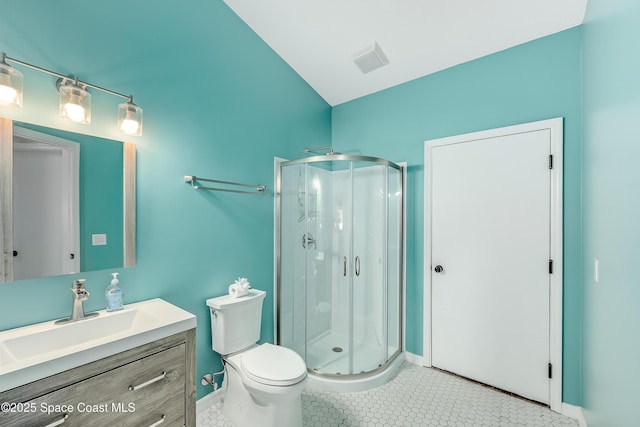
x,y
438,269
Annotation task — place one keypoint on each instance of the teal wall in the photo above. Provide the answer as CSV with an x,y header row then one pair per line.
x,y
611,186
218,103
535,81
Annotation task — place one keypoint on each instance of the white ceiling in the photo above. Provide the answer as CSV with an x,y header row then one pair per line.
x,y
317,38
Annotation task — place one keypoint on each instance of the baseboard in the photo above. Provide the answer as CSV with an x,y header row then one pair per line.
x,y
209,400
413,358
574,412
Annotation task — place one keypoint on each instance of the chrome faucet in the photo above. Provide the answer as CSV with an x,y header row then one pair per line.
x,y
80,294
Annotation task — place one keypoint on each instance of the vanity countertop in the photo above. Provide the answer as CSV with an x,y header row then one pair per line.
x,y
33,352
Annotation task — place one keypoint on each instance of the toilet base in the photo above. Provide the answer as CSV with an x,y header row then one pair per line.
x,y
245,409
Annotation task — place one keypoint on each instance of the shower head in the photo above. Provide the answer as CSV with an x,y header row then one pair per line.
x,y
313,150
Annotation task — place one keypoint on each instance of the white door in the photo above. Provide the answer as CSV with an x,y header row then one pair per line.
x,y
490,253
45,208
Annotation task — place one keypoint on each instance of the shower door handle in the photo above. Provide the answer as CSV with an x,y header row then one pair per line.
x,y
344,266
357,266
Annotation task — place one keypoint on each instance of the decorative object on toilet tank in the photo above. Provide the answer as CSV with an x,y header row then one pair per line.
x,y
240,288
75,100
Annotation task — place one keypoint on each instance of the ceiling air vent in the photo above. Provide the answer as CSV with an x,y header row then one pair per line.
x,y
370,58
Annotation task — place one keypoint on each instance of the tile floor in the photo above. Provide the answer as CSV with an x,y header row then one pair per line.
x,y
417,396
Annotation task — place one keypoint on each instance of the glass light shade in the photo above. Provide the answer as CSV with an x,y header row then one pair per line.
x,y
130,118
10,86
75,103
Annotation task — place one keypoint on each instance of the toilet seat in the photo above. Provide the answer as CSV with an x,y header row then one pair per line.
x,y
273,365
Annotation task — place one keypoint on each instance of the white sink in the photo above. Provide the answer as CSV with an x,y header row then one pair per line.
x,y
37,351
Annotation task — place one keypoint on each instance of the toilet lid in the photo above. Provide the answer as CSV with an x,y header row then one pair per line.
x,y
273,365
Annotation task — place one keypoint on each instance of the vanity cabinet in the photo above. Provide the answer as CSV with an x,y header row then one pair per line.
x,y
150,385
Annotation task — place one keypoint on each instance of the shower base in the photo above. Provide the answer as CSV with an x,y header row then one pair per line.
x,y
324,357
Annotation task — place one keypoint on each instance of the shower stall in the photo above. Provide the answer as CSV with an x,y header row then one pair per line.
x,y
339,266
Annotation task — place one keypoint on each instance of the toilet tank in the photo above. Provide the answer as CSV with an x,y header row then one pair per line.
x,y
235,322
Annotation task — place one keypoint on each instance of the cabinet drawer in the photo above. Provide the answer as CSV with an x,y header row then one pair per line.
x,y
141,393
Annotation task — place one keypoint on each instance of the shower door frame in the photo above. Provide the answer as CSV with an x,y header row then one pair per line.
x,y
278,164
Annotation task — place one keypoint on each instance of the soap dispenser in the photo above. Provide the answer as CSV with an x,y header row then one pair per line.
x,y
114,294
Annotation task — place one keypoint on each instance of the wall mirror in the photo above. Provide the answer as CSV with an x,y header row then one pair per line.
x,y
67,202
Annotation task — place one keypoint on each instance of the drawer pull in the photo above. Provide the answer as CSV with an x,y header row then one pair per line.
x,y
146,383
60,421
157,423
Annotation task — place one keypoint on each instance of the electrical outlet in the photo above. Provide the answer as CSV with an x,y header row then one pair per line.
x,y
98,239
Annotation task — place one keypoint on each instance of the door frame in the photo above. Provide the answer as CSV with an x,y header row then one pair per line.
x,y
555,126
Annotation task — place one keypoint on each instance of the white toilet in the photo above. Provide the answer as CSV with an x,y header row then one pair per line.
x,y
263,382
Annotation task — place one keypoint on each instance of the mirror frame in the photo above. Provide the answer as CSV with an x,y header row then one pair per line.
x,y
6,197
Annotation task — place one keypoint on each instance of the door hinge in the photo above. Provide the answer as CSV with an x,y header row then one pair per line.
x,y
550,161
550,266
550,371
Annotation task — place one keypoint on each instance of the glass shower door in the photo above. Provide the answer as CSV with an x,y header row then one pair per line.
x,y
369,266
293,267
328,224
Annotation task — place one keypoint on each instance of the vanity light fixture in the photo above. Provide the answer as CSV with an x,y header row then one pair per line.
x,y
75,99
10,84
130,118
